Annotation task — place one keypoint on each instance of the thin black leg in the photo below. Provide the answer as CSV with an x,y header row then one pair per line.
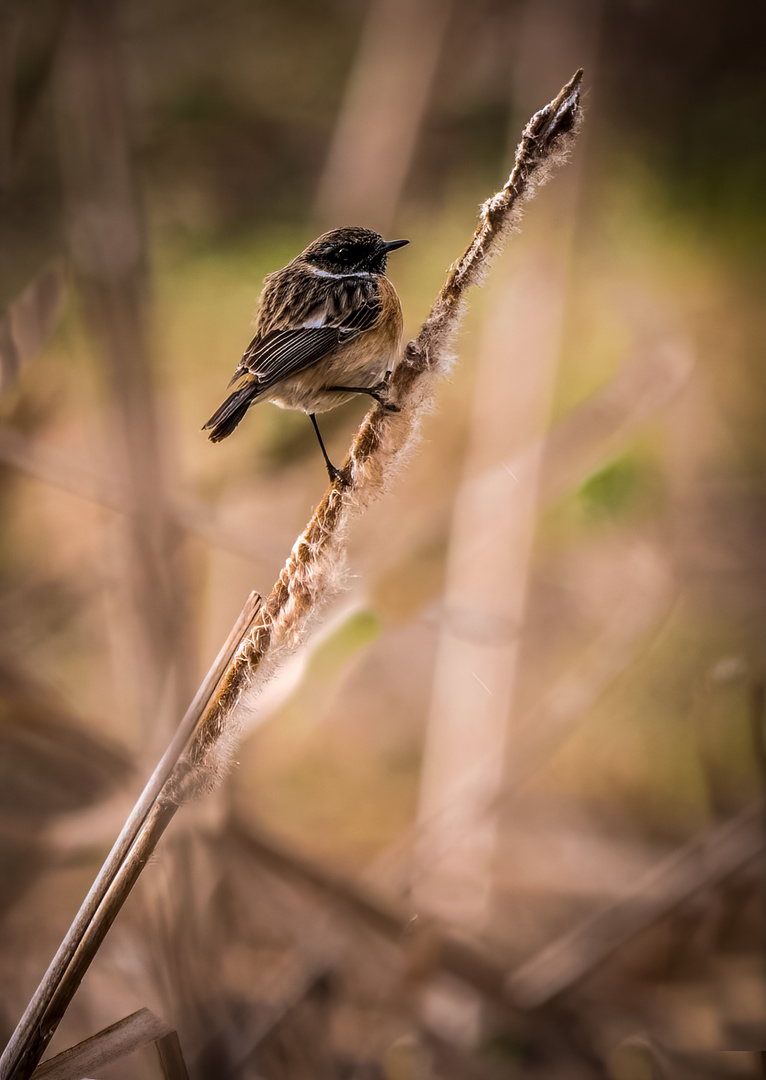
x,y
379,392
333,472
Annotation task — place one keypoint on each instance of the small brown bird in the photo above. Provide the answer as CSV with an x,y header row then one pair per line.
x,y
329,326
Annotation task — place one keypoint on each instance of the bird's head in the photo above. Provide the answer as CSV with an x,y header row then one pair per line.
x,y
350,250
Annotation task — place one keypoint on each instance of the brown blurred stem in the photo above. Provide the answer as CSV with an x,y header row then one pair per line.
x,y
106,246
69,473
384,103
303,586
127,1035
148,820
708,858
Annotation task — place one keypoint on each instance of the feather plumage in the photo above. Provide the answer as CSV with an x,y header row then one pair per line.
x,y
328,321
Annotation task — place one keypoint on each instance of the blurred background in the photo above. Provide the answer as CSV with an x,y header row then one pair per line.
x,y
502,815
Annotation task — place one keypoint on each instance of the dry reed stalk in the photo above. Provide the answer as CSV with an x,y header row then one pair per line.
x,y
307,581
106,252
138,838
71,473
704,861
310,574
126,1036
383,107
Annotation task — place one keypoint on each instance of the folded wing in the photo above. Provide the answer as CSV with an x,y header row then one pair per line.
x,y
283,353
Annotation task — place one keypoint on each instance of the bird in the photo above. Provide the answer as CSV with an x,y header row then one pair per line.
x,y
328,326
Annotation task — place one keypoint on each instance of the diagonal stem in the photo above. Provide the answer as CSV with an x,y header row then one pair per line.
x,y
33,1031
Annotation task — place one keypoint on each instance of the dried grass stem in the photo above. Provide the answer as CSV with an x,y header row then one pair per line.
x,y
310,574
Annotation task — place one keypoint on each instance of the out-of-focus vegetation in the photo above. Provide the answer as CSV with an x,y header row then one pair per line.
x,y
627,405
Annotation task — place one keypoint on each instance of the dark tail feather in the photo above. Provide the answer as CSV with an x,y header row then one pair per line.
x,y
224,420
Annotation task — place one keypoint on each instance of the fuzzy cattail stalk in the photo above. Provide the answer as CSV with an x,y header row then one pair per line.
x,y
309,576
201,750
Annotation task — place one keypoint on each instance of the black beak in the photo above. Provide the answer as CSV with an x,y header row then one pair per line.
x,y
392,245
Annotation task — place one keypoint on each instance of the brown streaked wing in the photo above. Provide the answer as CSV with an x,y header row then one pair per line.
x,y
285,352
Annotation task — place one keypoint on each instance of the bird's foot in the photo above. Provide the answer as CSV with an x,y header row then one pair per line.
x,y
381,391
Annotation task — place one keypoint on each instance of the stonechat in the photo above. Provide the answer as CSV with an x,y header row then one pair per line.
x,y
329,326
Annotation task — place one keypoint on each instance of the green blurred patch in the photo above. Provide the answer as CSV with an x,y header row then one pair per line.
x,y
614,489
356,633
202,103
627,490
503,1048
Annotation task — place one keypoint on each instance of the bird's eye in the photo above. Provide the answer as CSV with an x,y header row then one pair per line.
x,y
342,252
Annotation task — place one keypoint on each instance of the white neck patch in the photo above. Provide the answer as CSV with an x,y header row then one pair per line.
x,y
327,274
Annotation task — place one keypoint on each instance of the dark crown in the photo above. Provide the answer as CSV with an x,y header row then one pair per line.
x,y
351,250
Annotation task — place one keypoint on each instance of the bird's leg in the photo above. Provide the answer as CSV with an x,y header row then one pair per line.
x,y
333,472
379,391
